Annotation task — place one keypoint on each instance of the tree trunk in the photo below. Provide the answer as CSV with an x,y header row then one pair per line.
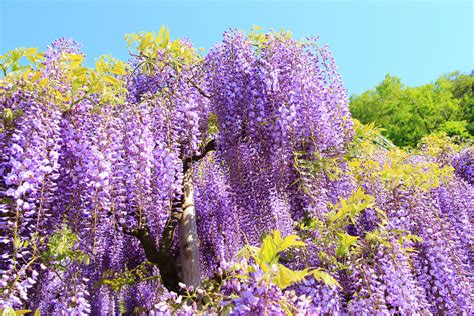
x,y
189,252
188,237
162,256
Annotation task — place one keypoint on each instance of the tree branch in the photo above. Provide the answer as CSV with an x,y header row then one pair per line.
x,y
204,94
210,146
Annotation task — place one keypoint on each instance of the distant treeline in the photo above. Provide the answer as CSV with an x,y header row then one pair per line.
x,y
409,113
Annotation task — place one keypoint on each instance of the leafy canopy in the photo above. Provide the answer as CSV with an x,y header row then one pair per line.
x,y
407,114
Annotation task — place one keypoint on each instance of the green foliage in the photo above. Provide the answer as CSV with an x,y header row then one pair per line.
x,y
455,128
345,242
347,210
212,124
250,259
285,277
340,249
367,139
150,45
423,175
267,257
9,311
317,164
14,60
259,39
407,114
117,280
100,85
61,250
9,116
400,169
87,82
438,145
463,90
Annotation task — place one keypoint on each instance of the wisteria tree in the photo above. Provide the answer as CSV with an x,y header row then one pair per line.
x,y
232,182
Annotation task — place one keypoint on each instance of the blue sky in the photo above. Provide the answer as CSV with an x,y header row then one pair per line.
x,y
415,40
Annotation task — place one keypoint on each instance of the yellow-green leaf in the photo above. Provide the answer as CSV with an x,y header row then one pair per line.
x,y
36,76
99,65
43,82
325,277
113,81
31,51
246,252
9,311
129,39
268,250
26,74
118,69
286,277
79,71
58,95
8,115
345,241
145,41
166,38
32,59
290,241
161,34
76,60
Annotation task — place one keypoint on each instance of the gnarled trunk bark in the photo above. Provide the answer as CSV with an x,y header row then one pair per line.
x,y
161,256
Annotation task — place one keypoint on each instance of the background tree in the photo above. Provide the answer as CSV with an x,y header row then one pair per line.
x,y
462,88
407,114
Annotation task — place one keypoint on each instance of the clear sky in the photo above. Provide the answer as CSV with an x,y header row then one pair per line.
x,y
415,40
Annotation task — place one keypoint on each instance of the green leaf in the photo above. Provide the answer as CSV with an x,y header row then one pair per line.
x,y
31,51
76,60
9,311
161,34
325,277
118,69
112,80
285,307
166,38
247,251
414,238
277,236
43,82
146,40
268,250
8,115
33,58
345,241
341,212
289,242
129,38
286,277
100,65
36,76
